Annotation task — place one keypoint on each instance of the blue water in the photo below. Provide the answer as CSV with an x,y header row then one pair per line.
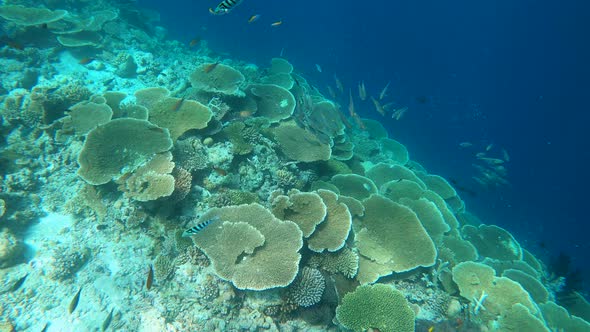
x,y
512,73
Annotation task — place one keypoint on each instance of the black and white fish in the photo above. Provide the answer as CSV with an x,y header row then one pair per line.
x,y
224,7
196,229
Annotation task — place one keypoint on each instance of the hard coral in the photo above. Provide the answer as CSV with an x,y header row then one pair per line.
x,y
120,146
376,307
235,247
308,288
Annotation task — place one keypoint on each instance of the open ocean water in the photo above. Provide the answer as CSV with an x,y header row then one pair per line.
x,y
294,165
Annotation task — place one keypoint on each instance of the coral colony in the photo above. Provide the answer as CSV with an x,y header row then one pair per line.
x,y
296,214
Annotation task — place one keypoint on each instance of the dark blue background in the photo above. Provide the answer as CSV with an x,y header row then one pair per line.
x,y
512,73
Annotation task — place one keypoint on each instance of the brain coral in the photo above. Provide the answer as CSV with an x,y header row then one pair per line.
x,y
250,247
220,79
118,147
379,307
392,235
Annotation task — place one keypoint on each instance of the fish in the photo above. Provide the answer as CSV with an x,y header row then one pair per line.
x,y
489,147
253,18
86,60
505,155
362,90
245,114
276,24
384,91
12,43
18,284
209,68
150,278
196,229
465,144
431,329
224,7
75,301
220,171
107,321
339,85
318,68
45,327
331,92
350,104
399,113
177,105
194,42
378,107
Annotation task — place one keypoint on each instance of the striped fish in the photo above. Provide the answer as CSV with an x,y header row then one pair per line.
x,y
194,230
224,7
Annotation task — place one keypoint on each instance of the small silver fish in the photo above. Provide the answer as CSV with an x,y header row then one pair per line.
x,y
318,68
107,321
196,229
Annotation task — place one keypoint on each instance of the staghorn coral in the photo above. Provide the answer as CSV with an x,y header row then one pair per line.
x,y
307,289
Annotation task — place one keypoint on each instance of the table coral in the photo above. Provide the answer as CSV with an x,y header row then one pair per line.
x,y
376,307
118,147
234,244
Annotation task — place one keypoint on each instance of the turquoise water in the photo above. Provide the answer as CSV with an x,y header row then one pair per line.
x,y
157,176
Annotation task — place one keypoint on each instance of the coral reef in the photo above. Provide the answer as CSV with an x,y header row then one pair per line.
x,y
115,140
